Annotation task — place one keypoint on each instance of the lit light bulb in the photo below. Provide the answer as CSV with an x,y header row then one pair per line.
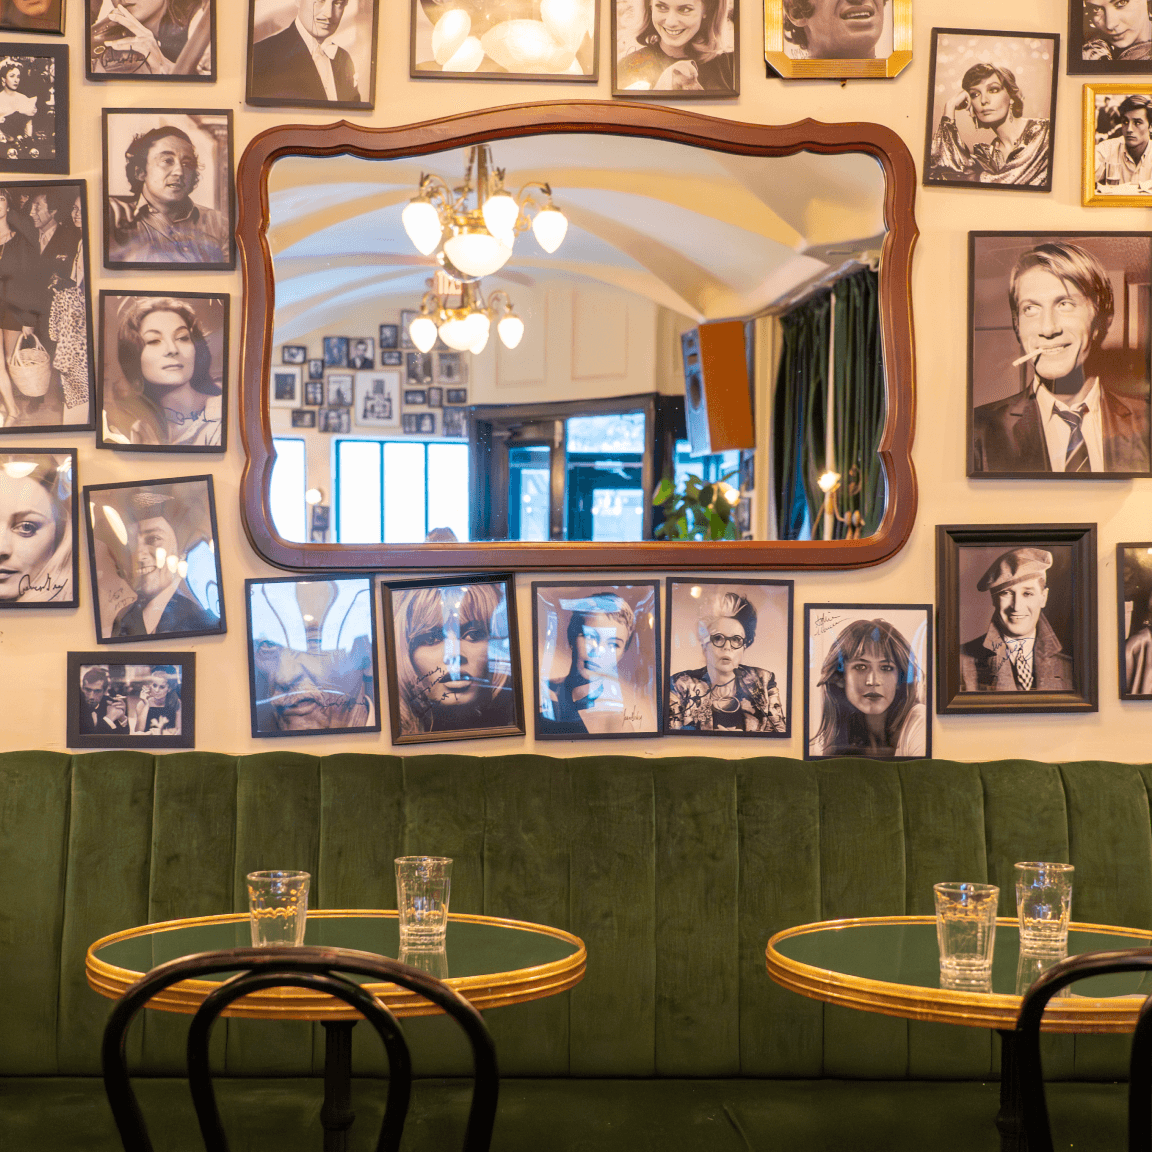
x,y
481,343
549,228
500,214
828,481
476,252
423,332
456,334
510,330
422,223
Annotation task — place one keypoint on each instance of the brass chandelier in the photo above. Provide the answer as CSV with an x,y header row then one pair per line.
x,y
464,326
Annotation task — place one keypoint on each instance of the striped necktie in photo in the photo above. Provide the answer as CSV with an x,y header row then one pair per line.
x,y
1076,458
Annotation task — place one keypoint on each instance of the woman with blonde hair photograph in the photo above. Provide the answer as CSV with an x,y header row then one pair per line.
x,y
36,557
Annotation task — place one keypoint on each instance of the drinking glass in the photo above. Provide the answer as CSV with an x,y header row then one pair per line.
x,y
1044,907
278,907
966,933
423,885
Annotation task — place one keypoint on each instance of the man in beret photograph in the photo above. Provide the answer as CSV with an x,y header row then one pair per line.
x,y
1020,652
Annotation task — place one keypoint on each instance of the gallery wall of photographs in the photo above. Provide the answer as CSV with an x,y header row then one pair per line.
x,y
119,281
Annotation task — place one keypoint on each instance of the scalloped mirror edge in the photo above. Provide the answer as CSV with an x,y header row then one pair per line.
x,y
619,119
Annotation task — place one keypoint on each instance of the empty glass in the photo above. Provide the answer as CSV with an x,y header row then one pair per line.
x,y
278,907
966,933
423,886
1044,907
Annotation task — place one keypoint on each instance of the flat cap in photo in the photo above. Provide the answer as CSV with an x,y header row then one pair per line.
x,y
1014,568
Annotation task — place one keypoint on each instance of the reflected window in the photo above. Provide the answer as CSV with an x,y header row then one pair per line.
x,y
529,492
286,494
605,458
717,466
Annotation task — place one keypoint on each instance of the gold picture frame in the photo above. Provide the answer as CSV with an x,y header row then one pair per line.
x,y
1095,96
879,68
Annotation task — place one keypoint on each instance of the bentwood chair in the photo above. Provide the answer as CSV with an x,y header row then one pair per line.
x,y
316,969
1037,1132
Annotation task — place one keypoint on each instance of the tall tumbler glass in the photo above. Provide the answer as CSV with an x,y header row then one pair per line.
x,y
1044,907
423,885
278,907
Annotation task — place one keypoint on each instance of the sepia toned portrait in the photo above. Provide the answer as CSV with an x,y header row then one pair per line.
x,y
677,49
39,546
151,40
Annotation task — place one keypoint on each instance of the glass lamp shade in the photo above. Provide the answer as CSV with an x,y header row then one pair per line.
x,y
510,330
456,334
423,332
422,223
476,253
480,344
549,228
500,214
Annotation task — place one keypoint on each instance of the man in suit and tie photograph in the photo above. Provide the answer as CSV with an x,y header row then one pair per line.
x,y
1082,408
301,63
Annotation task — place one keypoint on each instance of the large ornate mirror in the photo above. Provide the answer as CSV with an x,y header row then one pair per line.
x,y
663,340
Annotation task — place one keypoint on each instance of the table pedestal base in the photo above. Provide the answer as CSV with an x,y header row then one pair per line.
x,y
1010,1118
336,1115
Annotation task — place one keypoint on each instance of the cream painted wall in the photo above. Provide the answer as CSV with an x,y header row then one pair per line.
x,y
33,643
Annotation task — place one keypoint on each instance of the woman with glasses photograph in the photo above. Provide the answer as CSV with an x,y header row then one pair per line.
x,y
726,694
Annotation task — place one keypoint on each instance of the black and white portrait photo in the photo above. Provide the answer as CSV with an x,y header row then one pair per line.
x,y
155,556
312,53
1059,354
455,395
992,103
335,351
33,108
596,659
163,371
829,30
1109,37
676,48
39,545
340,390
1117,159
338,420
151,40
293,354
1134,602
1017,617
312,655
415,397
453,659
144,705
303,417
419,369
284,387
451,368
362,353
389,336
455,422
867,681
316,369
728,655
377,399
314,393
419,423
391,358
46,380
32,16
168,184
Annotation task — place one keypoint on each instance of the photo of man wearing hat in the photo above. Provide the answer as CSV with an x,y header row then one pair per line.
x,y
1020,652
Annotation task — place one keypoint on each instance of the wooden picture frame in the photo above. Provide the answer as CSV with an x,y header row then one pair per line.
x,y
154,552
1106,162
42,567
1094,51
313,665
662,55
788,58
727,691
868,681
1133,619
35,135
126,49
146,700
466,688
1019,567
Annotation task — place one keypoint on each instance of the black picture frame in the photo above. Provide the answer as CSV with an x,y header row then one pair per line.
x,y
435,397
1101,59
50,22
137,415
420,708
418,369
282,75
339,389
335,351
303,417
631,708
316,369
391,358
638,66
752,701
180,517
1067,681
862,660
42,146
455,395
1007,433
90,727
285,386
451,368
314,393
329,688
389,337
1133,619
39,402
952,156
454,422
108,56
336,420
144,134
407,315
366,346
42,568
416,396
293,353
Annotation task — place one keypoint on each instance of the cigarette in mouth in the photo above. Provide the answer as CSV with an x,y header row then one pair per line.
x,y
1030,356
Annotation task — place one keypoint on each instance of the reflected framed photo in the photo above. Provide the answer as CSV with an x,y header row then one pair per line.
x,y
435,397
282,43
312,657
316,369
150,703
362,353
451,368
303,417
293,354
414,396
1108,38
506,40
868,681
392,359
176,42
1070,406
455,395
45,16
156,220
340,390
991,107
1117,162
39,509
389,336
670,61
163,382
338,420
335,351
728,657
453,659
809,40
406,318
1017,618
155,558
284,387
455,422
314,393
419,369
34,129
377,399
596,659
1134,619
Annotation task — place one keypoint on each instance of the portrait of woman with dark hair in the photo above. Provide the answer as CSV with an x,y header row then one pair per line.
x,y
165,392
32,15
153,38
684,46
16,108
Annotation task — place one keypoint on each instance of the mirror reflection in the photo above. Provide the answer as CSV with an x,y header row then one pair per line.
x,y
638,340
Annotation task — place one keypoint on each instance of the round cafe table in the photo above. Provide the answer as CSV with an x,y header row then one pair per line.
x,y
491,962
891,965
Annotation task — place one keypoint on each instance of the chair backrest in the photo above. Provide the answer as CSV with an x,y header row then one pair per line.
x,y
318,969
1035,1108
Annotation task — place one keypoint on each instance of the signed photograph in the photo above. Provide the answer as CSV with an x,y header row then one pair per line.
x,y
868,681
453,659
728,657
34,108
151,40
676,49
154,552
39,565
32,16
1109,37
312,659
150,704
596,659
1134,616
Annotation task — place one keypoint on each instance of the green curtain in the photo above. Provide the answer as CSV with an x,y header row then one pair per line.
x,y
859,411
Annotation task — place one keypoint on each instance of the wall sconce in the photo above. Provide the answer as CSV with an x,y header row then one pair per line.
x,y
830,484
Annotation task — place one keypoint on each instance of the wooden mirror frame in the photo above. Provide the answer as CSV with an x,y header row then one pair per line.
x,y
619,119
